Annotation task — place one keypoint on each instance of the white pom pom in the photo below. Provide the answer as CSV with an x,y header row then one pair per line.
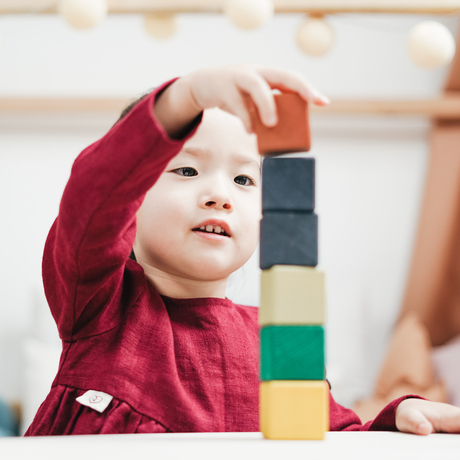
x,y
83,14
161,25
249,14
315,37
430,45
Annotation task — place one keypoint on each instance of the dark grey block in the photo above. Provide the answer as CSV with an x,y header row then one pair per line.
x,y
288,184
288,238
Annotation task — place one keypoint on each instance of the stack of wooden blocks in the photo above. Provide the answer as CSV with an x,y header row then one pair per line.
x,y
294,395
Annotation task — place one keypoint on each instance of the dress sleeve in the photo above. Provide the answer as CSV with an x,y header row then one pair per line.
x,y
343,419
87,250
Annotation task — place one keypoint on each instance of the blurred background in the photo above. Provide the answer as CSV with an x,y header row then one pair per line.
x,y
373,167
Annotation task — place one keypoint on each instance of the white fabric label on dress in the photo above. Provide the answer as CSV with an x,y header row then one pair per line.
x,y
97,400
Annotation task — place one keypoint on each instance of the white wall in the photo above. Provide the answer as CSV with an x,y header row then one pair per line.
x,y
370,171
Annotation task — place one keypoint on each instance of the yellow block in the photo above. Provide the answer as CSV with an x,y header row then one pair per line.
x,y
294,409
292,295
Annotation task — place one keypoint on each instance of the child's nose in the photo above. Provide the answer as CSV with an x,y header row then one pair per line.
x,y
217,194
224,205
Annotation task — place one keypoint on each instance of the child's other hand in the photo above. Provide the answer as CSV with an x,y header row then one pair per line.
x,y
424,417
232,88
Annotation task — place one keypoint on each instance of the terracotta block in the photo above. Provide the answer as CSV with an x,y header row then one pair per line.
x,y
294,409
292,295
292,132
292,353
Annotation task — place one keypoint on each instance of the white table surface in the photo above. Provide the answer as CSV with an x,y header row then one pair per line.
x,y
234,446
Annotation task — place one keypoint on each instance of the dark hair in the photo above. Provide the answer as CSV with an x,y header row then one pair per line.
x,y
132,104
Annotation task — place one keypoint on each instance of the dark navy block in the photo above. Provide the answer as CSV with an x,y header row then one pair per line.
x,y
288,184
288,238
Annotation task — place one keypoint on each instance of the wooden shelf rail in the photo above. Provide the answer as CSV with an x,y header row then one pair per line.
x,y
281,6
447,107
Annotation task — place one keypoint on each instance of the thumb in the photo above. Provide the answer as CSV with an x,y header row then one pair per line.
x,y
413,421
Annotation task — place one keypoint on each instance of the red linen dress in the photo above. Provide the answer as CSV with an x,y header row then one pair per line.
x,y
188,365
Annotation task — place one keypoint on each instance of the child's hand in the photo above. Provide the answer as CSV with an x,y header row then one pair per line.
x,y
233,89
424,417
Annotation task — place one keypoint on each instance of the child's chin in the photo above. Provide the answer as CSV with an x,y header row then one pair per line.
x,y
211,271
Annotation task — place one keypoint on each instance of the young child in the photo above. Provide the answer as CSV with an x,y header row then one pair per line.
x,y
150,343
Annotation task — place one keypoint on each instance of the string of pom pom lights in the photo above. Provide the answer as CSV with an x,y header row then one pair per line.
x,y
83,14
245,14
429,44
315,36
161,25
249,14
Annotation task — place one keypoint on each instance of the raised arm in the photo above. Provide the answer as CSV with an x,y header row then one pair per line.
x,y
89,243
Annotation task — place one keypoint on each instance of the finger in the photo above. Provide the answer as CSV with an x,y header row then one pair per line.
x,y
284,80
235,105
413,421
261,94
448,419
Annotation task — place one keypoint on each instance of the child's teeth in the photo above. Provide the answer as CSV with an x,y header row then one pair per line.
x,y
212,229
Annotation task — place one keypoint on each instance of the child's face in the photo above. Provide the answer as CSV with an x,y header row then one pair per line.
x,y
213,182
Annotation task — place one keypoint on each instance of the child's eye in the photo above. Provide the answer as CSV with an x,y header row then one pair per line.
x,y
188,172
243,180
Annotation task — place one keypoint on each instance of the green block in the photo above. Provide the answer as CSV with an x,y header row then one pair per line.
x,y
292,353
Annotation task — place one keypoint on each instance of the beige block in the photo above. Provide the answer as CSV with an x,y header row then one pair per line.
x,y
292,295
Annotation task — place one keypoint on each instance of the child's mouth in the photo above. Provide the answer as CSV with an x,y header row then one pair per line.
x,y
213,231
